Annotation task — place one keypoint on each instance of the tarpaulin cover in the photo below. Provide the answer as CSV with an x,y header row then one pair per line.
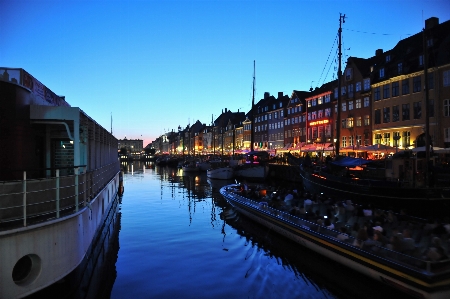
x,y
350,162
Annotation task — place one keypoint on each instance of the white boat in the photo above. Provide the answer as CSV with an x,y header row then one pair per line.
x,y
220,173
59,187
255,167
410,274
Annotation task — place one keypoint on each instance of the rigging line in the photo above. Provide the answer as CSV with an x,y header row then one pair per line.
x,y
329,69
327,59
375,32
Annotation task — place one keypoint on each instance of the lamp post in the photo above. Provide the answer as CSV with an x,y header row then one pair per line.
x,y
334,143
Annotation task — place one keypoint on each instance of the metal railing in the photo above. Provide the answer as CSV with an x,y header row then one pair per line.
x,y
30,201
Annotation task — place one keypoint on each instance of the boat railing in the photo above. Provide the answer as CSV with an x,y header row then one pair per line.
x,y
384,254
29,201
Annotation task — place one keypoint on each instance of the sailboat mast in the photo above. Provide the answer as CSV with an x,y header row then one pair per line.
x,y
427,107
252,139
339,75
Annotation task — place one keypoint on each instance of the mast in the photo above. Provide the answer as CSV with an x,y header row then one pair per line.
x,y
427,120
338,118
252,139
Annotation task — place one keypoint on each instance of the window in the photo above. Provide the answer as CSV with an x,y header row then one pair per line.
x,y
344,107
358,121
309,104
366,84
349,74
343,123
358,103
327,112
358,140
406,135
314,102
429,42
366,120
405,111
405,86
319,100
309,116
421,60
388,58
358,86
396,139
416,84
382,72
386,89
376,94
327,98
446,107
446,78
320,114
395,89
377,116
400,68
430,81
350,122
350,141
387,138
377,138
343,90
366,102
350,90
417,110
336,93
314,115
350,105
395,113
386,114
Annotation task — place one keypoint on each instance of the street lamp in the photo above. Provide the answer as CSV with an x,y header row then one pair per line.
x,y
334,143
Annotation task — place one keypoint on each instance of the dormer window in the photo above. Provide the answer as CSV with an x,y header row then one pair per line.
x,y
349,74
388,58
382,72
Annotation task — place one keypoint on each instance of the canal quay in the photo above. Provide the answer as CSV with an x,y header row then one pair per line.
x,y
174,236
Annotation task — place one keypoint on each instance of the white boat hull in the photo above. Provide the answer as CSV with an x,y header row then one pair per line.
x,y
55,248
222,173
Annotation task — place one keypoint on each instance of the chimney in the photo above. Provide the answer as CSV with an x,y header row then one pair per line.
x,y
280,94
266,95
226,110
431,22
378,52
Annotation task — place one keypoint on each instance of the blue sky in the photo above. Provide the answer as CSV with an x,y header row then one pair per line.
x,y
154,65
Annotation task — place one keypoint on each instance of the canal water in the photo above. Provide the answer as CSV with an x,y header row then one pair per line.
x,y
176,237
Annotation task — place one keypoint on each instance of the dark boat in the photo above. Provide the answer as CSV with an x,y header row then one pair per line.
x,y
408,273
366,181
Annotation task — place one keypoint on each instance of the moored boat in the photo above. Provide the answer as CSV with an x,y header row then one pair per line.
x,y
364,182
56,191
413,275
220,171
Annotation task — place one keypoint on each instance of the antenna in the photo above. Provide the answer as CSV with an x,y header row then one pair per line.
x,y
111,123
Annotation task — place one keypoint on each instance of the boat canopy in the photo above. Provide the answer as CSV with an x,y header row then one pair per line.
x,y
350,162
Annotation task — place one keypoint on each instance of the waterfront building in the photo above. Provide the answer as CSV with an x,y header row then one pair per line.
x,y
398,89
356,108
247,132
260,120
293,131
275,131
135,147
319,117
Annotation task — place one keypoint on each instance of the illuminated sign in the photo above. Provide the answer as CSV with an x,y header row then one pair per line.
x,y
319,122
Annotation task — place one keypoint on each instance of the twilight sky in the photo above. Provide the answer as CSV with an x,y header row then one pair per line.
x,y
154,65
